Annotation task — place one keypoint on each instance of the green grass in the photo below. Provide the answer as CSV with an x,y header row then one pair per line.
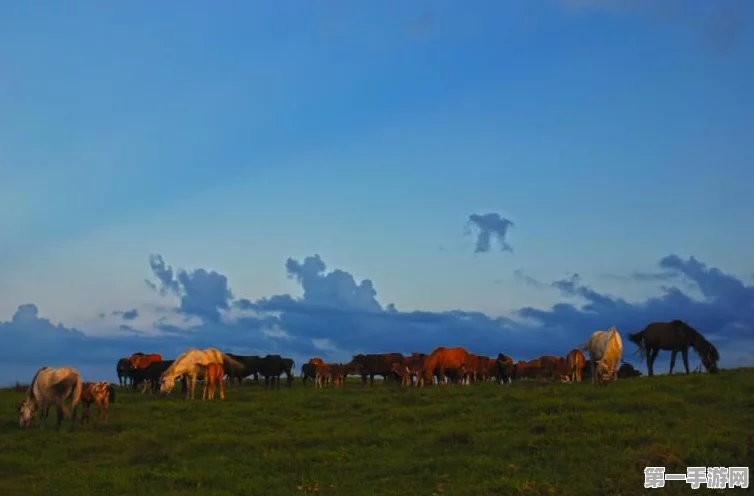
x,y
488,439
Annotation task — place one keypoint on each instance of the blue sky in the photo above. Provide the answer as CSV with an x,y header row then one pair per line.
x,y
364,135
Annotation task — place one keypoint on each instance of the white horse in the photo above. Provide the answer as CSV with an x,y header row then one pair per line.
x,y
193,362
604,347
51,387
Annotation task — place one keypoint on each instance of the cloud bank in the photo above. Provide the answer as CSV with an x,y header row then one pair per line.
x,y
336,316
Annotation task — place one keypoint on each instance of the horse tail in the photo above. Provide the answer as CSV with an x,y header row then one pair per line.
x,y
232,362
78,387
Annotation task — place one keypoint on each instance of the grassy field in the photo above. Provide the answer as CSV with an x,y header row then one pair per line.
x,y
528,438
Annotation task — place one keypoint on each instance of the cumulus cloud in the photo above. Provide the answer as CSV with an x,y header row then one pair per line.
x,y
487,226
202,293
338,315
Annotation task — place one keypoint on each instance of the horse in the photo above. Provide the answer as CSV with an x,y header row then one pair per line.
x,y
123,369
674,336
576,364
213,374
445,359
191,363
505,369
250,367
99,393
51,387
605,348
140,361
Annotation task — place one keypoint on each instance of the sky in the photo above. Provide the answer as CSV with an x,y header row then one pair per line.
x,y
335,177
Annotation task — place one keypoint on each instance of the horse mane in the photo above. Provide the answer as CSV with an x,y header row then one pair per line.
x,y
170,371
700,344
30,391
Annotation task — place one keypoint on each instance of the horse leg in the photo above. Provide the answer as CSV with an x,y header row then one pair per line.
x,y
672,361
685,356
593,368
222,391
651,356
61,410
45,411
84,412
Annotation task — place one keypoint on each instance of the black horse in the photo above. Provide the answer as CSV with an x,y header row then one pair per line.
x,y
123,369
675,336
271,367
250,367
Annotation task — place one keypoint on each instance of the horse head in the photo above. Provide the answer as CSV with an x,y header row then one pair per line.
x,y
167,383
709,361
27,410
604,372
635,337
503,358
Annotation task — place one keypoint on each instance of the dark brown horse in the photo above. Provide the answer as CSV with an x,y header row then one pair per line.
x,y
674,336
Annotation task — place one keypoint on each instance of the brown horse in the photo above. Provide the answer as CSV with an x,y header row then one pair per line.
x,y
674,336
443,360
576,364
213,374
99,393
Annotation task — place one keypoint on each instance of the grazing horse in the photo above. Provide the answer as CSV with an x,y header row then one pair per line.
x,y
576,364
192,363
99,393
442,360
123,369
213,374
51,387
674,336
605,348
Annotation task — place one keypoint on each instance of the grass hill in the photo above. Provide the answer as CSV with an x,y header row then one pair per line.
x,y
529,438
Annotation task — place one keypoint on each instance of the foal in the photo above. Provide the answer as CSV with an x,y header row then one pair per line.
x,y
99,393
213,375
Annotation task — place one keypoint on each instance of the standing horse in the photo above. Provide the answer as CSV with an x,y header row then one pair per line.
x,y
192,363
212,375
99,393
674,336
123,369
576,363
605,348
51,387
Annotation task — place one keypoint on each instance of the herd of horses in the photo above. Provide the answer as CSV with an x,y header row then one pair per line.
x,y
52,387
